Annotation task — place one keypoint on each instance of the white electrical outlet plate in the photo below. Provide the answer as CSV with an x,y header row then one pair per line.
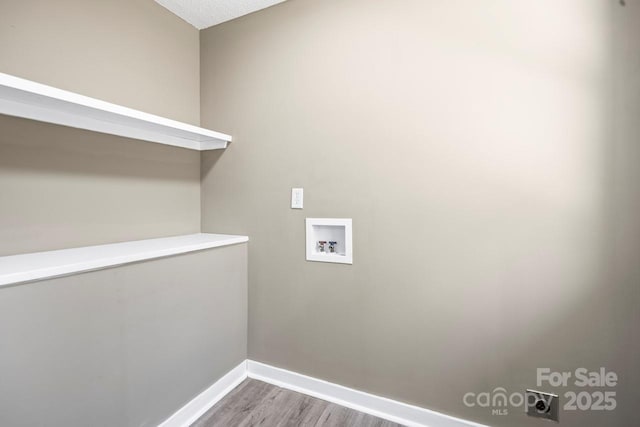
x,y
297,198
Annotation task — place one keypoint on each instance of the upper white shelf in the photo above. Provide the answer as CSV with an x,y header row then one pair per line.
x,y
17,269
31,100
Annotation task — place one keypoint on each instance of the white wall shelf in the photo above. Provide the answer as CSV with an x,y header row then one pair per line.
x,y
35,101
16,269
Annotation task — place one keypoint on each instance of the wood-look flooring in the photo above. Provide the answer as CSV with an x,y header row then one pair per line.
x,y
255,403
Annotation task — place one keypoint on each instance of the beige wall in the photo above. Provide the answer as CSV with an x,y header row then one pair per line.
x,y
125,346
61,187
487,153
131,52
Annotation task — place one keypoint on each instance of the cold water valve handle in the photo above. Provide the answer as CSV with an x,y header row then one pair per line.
x,y
332,247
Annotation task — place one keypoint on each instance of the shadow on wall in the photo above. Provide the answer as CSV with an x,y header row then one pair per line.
x,y
209,160
38,147
62,187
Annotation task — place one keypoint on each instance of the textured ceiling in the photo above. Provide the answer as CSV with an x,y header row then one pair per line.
x,y
206,13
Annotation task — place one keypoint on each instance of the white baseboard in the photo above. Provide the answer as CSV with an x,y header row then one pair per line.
x,y
398,412
392,410
193,410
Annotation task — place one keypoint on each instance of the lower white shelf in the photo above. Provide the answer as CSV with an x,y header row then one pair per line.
x,y
16,269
